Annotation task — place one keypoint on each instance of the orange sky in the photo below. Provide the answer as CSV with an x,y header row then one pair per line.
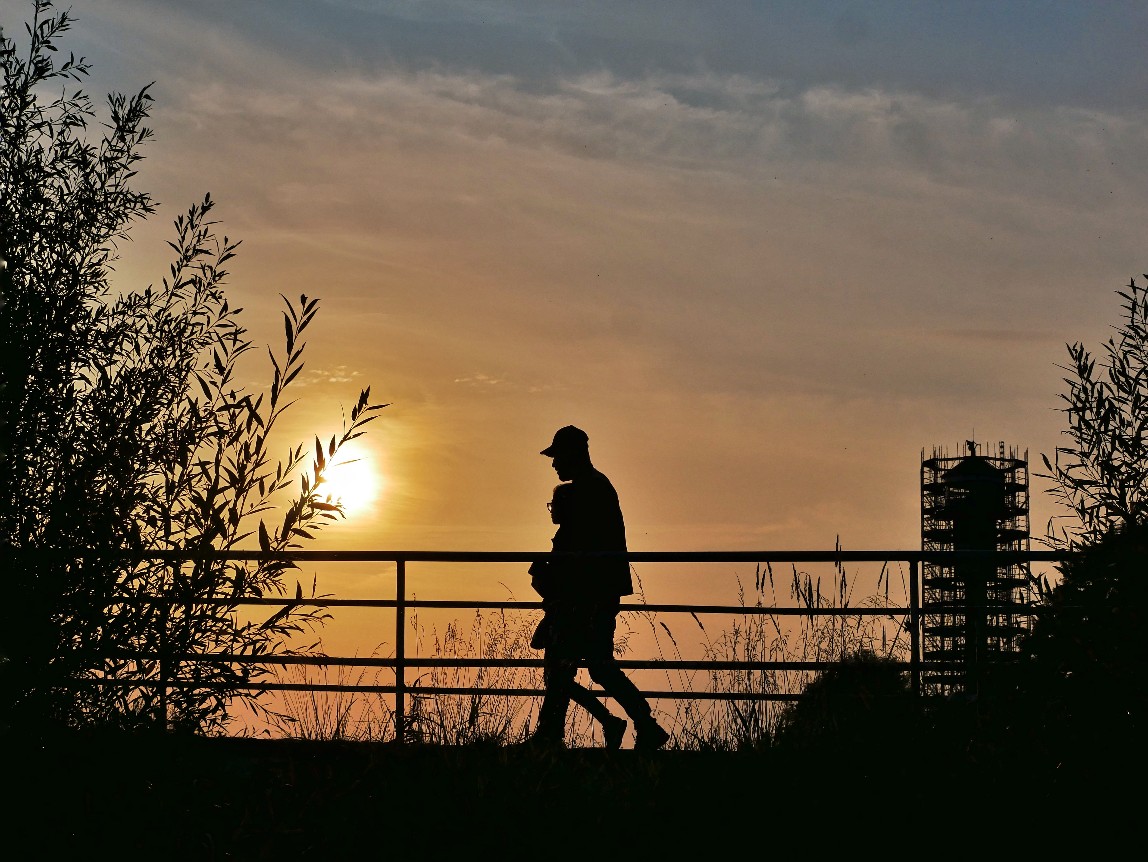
x,y
762,283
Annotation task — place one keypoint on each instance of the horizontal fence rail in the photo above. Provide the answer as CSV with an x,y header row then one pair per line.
x,y
401,690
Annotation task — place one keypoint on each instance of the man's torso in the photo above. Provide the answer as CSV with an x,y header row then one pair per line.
x,y
595,524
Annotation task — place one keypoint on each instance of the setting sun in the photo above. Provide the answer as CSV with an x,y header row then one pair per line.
x,y
353,480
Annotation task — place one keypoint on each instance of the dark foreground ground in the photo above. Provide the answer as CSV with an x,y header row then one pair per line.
x,y
77,797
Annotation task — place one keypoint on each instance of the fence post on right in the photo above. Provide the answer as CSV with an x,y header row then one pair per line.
x,y
914,627
400,650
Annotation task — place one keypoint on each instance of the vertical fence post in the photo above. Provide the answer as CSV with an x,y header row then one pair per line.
x,y
914,627
164,663
400,650
165,644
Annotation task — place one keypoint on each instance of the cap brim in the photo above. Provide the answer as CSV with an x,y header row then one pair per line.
x,y
548,452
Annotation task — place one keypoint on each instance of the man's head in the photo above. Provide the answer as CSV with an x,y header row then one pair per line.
x,y
570,451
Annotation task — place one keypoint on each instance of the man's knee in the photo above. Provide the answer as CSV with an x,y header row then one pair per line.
x,y
604,670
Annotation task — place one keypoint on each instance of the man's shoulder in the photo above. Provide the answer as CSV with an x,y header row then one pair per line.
x,y
596,482
594,495
597,501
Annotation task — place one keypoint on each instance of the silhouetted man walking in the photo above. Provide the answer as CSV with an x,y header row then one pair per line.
x,y
592,523
559,633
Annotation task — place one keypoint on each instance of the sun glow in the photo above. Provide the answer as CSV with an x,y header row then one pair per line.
x,y
353,480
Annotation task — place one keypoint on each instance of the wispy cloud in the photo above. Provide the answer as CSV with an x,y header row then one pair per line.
x,y
704,122
734,197
481,380
319,376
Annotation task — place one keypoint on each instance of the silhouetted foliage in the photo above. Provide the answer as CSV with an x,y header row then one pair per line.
x,y
1084,658
1102,476
862,705
126,431
1087,651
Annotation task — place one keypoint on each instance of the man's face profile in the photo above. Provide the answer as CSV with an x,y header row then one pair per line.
x,y
561,464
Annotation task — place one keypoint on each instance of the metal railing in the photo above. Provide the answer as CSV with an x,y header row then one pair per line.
x,y
402,603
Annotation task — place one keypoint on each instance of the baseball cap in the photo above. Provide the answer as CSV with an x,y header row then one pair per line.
x,y
567,439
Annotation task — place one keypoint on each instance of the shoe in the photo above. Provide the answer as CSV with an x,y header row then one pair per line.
x,y
613,731
651,737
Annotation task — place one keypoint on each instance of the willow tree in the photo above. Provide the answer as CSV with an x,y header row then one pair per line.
x,y
125,432
1101,474
1088,640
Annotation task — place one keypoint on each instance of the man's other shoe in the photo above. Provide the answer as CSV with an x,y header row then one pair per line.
x,y
651,737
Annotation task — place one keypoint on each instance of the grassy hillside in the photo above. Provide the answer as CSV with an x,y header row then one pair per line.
x,y
197,798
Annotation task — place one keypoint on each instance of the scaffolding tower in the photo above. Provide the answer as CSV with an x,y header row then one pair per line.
x,y
974,610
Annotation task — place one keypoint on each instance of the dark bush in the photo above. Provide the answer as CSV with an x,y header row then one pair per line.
x,y
1087,650
864,705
